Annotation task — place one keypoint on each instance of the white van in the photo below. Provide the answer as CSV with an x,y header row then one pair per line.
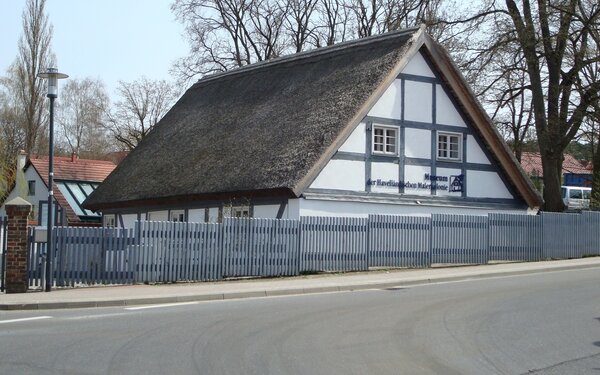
x,y
576,197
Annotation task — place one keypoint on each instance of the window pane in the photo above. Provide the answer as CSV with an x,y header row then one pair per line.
x,y
449,146
31,188
87,188
384,140
70,199
576,194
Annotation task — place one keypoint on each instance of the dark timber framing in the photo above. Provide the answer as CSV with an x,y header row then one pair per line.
x,y
368,152
433,163
433,137
356,156
402,137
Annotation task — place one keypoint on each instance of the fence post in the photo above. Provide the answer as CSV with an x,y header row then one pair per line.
x,y
17,211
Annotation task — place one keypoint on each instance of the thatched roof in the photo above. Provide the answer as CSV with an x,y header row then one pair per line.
x,y
257,128
268,129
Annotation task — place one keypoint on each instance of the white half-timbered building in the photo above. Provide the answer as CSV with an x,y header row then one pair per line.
x,y
382,125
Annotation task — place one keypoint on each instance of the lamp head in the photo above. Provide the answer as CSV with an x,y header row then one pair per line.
x,y
52,76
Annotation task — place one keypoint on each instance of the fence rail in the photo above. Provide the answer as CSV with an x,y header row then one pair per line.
x,y
168,251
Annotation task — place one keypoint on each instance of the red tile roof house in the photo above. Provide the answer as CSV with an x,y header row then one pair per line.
x,y
74,181
572,169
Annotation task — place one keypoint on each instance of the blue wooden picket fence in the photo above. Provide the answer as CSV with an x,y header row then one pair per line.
x,y
168,251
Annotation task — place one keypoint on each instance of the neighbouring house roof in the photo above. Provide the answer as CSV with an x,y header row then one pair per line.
x,y
72,169
269,128
532,164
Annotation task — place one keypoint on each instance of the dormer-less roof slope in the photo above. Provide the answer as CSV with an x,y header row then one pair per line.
x,y
264,129
261,127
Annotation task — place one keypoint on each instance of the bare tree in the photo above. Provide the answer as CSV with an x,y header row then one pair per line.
x,y
11,141
332,25
558,34
141,105
80,116
34,57
509,99
591,126
22,113
552,39
225,34
299,22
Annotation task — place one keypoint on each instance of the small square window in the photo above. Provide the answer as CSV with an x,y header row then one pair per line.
x,y
240,212
30,187
385,140
109,221
449,146
178,216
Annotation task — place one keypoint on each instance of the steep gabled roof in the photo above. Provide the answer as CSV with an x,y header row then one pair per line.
x,y
258,128
269,128
481,122
70,169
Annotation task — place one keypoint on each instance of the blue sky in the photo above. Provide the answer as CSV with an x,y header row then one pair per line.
x,y
108,39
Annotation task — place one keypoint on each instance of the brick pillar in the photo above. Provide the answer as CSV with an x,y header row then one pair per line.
x,y
17,211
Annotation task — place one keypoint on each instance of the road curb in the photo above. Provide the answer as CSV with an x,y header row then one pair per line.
x,y
280,292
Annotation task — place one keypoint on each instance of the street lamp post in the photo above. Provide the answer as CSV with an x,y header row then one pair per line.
x,y
52,76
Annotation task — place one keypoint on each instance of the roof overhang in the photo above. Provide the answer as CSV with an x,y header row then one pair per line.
x,y
182,199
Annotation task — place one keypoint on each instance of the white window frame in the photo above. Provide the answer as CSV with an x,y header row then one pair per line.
x,y
235,210
385,143
109,221
177,216
448,157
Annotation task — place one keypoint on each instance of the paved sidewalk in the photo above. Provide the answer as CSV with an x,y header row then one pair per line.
x,y
203,291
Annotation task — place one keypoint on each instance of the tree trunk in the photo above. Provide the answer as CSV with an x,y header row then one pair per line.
x,y
552,166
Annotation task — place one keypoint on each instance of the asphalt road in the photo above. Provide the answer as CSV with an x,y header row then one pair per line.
x,y
541,324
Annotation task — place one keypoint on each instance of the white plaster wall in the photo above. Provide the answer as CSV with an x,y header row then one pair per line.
x,y
128,220
158,215
213,215
417,143
390,103
486,185
415,174
447,172
474,153
341,175
357,140
269,211
446,112
418,97
21,189
385,172
293,208
316,207
418,66
196,215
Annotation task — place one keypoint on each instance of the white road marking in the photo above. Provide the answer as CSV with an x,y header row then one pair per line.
x,y
99,316
162,305
24,319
